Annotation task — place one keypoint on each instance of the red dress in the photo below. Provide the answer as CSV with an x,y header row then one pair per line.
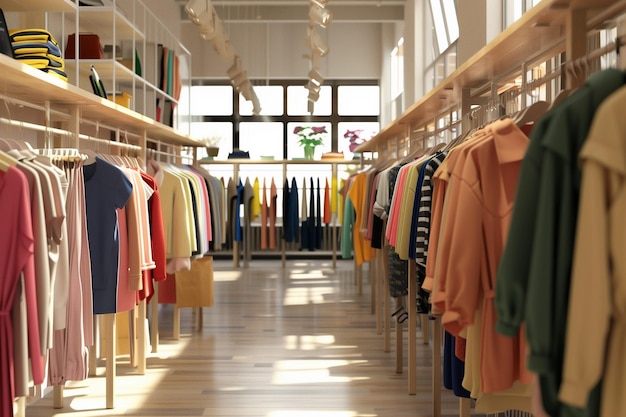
x,y
16,257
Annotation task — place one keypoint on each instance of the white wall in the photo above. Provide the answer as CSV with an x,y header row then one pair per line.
x,y
276,50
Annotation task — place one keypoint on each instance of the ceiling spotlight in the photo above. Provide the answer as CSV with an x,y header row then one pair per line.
x,y
314,95
224,48
316,77
234,69
212,28
319,15
195,8
239,80
311,86
256,105
246,90
316,43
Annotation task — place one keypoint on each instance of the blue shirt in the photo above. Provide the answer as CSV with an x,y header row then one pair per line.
x,y
106,190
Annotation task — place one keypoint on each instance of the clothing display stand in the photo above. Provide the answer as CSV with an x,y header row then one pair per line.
x,y
522,45
239,248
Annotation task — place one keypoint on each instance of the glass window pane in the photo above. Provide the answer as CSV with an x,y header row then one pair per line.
x,y
352,134
295,150
270,97
451,19
211,100
261,139
440,25
359,100
297,101
221,132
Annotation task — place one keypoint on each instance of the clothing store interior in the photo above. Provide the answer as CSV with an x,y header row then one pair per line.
x,y
312,208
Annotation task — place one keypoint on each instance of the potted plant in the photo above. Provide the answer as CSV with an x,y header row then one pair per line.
x,y
310,137
211,144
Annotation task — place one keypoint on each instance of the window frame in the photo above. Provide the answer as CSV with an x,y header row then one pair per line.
x,y
334,119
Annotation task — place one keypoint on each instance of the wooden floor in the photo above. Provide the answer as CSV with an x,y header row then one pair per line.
x,y
293,342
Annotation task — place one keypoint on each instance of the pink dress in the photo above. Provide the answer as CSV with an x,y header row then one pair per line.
x,y
16,257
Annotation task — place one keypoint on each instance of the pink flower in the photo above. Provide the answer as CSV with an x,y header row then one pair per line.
x,y
298,129
319,129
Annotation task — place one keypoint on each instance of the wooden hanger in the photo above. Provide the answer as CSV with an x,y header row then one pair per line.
x,y
531,113
6,161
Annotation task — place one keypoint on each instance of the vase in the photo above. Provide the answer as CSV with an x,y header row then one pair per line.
x,y
309,151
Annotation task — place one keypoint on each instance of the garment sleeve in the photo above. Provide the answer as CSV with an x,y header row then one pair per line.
x,y
463,260
435,227
347,234
134,240
513,269
590,299
157,236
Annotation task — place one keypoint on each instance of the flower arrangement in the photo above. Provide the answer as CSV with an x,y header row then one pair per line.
x,y
354,137
310,137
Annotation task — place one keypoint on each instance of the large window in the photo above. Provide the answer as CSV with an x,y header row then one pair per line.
x,y
218,112
514,9
441,33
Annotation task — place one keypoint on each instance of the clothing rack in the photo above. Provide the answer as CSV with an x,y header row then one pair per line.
x,y
447,96
173,157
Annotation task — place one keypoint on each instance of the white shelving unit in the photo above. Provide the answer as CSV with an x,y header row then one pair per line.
x,y
130,27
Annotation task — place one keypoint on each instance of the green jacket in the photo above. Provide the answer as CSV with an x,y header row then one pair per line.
x,y
534,272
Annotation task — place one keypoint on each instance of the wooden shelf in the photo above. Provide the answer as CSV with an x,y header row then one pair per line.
x,y
30,5
105,67
100,20
538,33
28,84
206,161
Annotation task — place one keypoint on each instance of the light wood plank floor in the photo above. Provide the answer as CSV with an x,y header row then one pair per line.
x,y
293,342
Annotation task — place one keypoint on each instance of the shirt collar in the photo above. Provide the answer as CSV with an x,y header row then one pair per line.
x,y
509,140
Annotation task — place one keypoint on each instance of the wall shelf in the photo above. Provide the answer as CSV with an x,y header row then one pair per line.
x,y
100,20
538,33
31,5
28,84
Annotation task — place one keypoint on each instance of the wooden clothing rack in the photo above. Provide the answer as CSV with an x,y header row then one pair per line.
x,y
549,29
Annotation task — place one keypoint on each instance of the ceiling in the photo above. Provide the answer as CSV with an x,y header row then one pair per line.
x,y
263,11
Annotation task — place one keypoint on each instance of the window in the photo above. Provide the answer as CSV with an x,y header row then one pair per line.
x,y
397,70
284,106
514,9
261,139
212,100
271,98
222,130
445,22
297,101
358,100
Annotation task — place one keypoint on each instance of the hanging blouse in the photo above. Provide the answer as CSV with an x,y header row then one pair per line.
x,y
106,189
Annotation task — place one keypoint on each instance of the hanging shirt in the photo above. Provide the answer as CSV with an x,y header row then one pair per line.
x,y
534,275
327,211
272,215
106,190
595,331
264,209
256,200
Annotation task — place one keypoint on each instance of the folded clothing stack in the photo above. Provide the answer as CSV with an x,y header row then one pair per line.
x,y
39,49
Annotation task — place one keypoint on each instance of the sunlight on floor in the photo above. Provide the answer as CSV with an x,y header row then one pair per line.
x,y
316,413
291,372
226,276
307,342
303,296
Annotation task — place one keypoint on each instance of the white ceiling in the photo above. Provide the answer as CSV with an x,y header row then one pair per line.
x,y
297,10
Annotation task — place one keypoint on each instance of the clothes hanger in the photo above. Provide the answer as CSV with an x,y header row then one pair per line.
x,y
531,113
6,161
